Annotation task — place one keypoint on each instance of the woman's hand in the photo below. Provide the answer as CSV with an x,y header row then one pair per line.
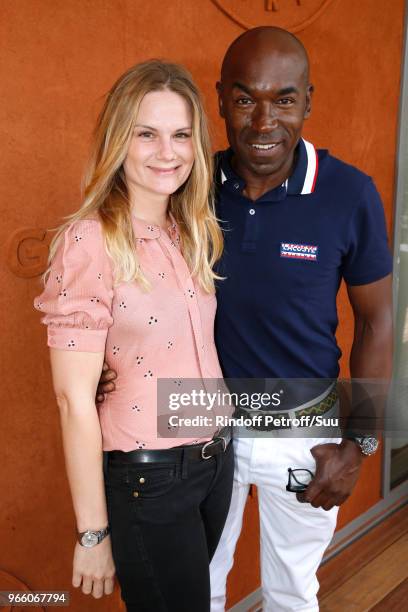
x,y
94,568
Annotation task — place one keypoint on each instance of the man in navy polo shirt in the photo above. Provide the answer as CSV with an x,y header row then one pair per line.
x,y
296,222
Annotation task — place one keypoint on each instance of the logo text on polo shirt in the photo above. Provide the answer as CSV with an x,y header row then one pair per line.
x,y
307,252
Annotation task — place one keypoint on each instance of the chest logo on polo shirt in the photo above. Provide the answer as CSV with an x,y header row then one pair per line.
x,y
307,252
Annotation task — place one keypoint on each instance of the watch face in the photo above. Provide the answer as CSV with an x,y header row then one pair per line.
x,y
369,445
89,539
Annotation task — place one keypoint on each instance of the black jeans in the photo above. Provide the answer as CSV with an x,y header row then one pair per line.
x,y
166,521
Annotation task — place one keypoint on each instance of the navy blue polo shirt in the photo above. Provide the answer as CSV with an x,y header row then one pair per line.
x,y
285,255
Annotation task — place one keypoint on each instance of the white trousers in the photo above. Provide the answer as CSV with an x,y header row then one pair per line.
x,y
293,535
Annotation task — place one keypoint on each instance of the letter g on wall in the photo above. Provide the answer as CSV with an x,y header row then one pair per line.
x,y
27,251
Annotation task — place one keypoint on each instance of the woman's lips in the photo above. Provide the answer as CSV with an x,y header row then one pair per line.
x,y
164,171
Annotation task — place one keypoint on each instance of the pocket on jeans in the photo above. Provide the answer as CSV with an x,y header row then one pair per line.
x,y
151,481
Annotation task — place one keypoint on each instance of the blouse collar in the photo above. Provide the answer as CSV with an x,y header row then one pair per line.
x,y
145,230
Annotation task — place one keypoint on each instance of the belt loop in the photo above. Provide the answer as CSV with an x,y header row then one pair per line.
x,y
184,464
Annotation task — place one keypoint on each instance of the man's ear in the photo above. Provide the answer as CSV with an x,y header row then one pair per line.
x,y
309,95
219,89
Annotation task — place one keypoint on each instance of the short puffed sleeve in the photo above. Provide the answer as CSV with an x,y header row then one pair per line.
x,y
77,299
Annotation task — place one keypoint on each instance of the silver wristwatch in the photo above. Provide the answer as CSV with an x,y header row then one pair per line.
x,y
368,444
90,538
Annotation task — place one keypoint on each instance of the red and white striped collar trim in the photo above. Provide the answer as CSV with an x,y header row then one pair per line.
x,y
312,168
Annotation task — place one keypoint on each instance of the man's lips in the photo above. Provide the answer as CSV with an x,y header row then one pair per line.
x,y
264,146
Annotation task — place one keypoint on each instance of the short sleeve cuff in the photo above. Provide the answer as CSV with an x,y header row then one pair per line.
x,y
74,339
366,279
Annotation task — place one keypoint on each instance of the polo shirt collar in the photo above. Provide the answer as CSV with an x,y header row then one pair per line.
x,y
303,178
302,181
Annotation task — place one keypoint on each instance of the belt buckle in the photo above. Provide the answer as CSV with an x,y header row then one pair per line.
x,y
213,441
203,456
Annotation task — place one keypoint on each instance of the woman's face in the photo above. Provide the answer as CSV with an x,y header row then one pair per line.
x,y
160,154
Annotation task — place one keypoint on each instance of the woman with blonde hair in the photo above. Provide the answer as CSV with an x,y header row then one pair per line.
x,y
131,281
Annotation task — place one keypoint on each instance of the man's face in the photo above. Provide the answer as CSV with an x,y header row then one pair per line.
x,y
264,100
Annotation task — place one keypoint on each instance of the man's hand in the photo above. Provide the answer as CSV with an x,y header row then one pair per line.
x,y
337,471
106,384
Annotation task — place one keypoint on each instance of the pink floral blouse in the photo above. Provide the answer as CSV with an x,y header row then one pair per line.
x,y
166,332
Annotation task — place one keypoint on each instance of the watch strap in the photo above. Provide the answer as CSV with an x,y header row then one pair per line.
x,y
99,534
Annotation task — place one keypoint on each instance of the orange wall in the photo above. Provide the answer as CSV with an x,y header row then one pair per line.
x,y
58,57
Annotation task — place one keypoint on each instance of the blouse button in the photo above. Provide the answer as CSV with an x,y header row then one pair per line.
x,y
251,211
135,494
142,480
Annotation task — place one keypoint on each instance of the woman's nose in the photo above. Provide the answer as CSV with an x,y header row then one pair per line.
x,y
166,150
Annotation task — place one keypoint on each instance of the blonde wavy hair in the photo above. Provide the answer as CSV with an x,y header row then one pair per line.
x,y
106,192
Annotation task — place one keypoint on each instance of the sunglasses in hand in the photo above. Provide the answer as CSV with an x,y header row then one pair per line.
x,y
298,479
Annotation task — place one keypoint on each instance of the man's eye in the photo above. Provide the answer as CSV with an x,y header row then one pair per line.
x,y
244,101
285,101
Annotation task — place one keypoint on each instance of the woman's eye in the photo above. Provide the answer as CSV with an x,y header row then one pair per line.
x,y
183,135
145,134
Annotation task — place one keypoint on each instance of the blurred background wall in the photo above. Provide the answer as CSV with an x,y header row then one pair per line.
x,y
57,60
